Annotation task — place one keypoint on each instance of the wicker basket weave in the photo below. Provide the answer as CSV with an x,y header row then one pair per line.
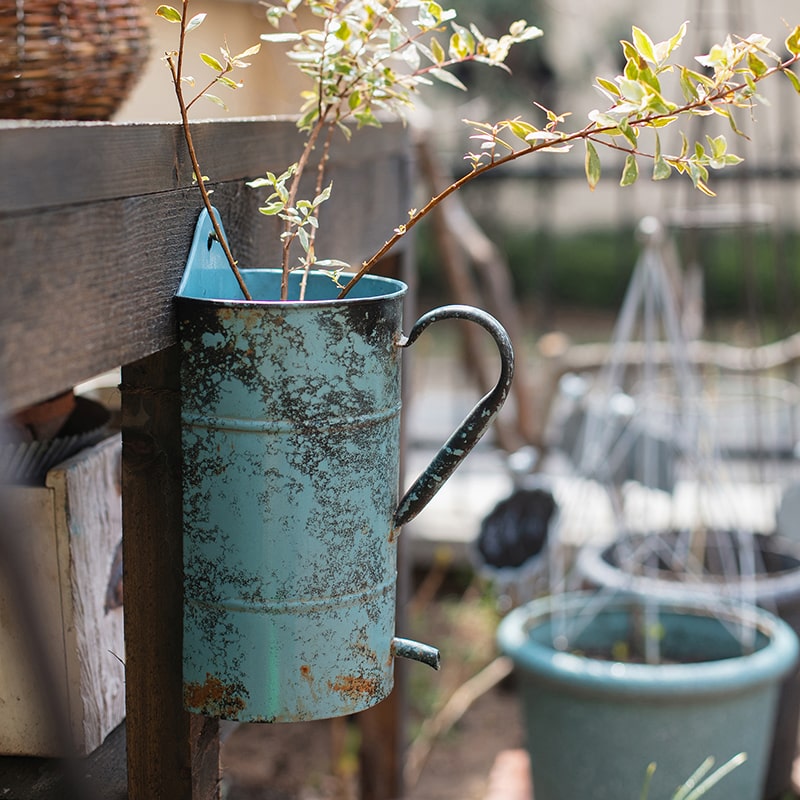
x,y
69,59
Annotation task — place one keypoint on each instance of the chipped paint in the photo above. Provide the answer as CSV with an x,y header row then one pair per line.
x,y
291,437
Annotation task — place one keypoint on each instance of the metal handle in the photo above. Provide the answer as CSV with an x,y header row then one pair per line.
x,y
475,424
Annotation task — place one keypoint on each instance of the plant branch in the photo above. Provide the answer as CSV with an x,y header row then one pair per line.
x,y
177,72
722,96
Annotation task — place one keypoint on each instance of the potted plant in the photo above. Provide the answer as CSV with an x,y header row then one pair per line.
x,y
597,713
290,520
764,569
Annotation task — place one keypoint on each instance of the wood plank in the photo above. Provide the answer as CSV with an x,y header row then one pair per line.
x,y
171,754
89,286
92,161
100,776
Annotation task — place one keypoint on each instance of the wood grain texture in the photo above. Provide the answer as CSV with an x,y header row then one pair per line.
x,y
88,525
53,164
94,247
72,528
171,755
96,220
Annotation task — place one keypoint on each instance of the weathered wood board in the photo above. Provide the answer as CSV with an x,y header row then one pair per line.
x,y
96,221
73,529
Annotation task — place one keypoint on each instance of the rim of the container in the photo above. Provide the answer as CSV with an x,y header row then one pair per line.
x,y
591,562
725,676
394,288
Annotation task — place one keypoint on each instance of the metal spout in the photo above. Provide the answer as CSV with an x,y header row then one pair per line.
x,y
416,651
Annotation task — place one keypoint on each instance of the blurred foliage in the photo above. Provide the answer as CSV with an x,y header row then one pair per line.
x,y
746,274
533,76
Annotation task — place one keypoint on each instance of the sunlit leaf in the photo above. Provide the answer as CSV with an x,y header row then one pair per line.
x,y
214,99
756,65
644,45
608,86
272,209
665,49
793,79
195,22
437,51
212,62
592,165
630,172
629,133
793,41
661,169
251,51
447,77
231,84
169,13
521,129
281,37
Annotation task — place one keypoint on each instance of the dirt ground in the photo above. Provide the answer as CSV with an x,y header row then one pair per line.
x,y
295,762
318,760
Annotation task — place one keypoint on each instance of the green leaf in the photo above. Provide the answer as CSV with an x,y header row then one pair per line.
x,y
462,43
608,86
195,22
648,777
688,87
271,209
592,165
251,51
169,13
522,129
665,49
793,79
437,51
644,45
756,65
793,41
214,99
211,62
447,77
631,171
628,132
629,51
231,84
331,262
323,195
305,241
661,169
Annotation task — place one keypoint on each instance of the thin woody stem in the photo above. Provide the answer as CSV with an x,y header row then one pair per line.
x,y
722,96
187,135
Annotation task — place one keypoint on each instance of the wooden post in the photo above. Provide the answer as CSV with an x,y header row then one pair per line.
x,y
171,754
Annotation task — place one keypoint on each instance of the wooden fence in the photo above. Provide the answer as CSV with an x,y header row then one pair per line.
x,y
96,220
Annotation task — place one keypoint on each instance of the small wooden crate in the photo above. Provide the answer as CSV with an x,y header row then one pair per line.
x,y
74,537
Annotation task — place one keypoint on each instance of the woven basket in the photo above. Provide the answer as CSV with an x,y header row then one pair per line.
x,y
69,59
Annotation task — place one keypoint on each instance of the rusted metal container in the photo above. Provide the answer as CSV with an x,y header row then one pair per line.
x,y
291,432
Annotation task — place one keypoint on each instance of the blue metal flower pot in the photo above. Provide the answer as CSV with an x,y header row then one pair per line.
x,y
291,436
593,725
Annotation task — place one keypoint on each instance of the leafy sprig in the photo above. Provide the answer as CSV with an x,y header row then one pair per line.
x,y
221,69
365,61
638,104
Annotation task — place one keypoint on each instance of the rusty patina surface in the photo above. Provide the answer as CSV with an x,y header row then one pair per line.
x,y
291,415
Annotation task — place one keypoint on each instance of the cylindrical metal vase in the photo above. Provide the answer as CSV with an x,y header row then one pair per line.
x,y
291,435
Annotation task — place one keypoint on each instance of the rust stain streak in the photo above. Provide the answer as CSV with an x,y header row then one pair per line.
x,y
214,698
354,685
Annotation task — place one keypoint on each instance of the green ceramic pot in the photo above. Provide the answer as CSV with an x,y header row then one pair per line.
x,y
594,724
